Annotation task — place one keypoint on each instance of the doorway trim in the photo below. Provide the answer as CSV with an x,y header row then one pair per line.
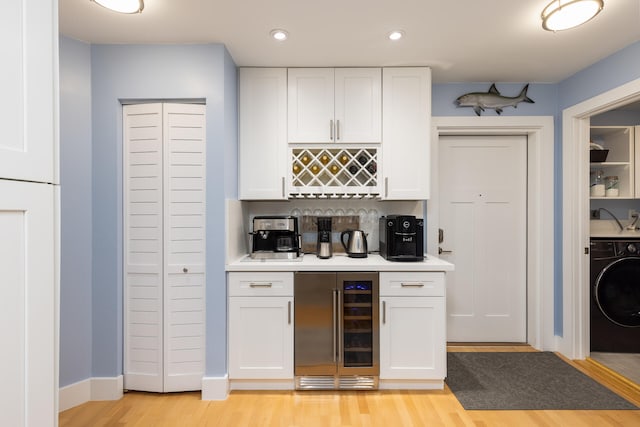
x,y
575,214
540,208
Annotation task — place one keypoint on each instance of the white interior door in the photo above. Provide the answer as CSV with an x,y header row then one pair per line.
x,y
164,239
483,208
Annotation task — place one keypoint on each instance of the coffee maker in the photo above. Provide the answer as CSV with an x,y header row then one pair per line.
x,y
401,238
324,247
275,237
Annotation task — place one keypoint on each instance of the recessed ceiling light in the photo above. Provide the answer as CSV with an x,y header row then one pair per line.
x,y
396,35
280,35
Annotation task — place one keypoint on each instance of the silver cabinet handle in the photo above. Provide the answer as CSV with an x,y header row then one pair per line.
x,y
384,312
260,285
386,186
185,270
442,251
289,311
283,195
338,130
331,130
335,315
412,285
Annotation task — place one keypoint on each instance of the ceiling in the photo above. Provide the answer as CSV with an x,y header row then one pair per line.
x,y
462,40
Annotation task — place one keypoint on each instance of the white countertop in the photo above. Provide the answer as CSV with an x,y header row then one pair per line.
x,y
603,228
339,262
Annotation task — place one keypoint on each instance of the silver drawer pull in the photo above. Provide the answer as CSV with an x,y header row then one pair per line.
x,y
260,285
412,285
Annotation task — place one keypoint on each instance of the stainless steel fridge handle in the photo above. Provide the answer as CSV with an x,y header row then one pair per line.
x,y
289,312
340,328
333,323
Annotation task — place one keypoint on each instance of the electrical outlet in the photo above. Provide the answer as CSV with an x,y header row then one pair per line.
x,y
633,213
595,214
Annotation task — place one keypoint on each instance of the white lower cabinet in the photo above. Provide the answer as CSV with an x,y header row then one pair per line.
x,y
260,330
412,330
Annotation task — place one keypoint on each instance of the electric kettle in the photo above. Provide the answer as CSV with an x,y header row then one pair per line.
x,y
356,246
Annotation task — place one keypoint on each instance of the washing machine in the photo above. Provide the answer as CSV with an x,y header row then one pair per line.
x,y
615,295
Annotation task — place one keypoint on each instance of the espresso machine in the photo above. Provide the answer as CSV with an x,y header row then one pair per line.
x,y
324,248
275,237
401,238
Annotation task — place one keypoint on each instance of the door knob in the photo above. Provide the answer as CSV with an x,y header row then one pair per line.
x,y
185,270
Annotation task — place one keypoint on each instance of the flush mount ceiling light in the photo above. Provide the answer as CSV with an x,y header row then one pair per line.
x,y
564,14
279,35
395,35
122,6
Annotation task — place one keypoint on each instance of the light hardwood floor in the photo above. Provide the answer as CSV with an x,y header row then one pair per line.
x,y
311,409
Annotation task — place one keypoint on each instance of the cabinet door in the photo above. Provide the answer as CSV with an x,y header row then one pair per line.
x,y
311,108
263,134
412,338
28,147
406,133
358,105
28,304
261,338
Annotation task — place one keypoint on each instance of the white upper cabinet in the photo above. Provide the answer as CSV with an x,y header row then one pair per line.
x,y
29,90
406,133
334,105
263,133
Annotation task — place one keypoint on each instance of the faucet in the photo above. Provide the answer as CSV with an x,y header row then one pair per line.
x,y
632,225
614,217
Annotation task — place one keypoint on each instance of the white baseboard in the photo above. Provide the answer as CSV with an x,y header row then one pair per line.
x,y
271,384
74,394
411,384
107,388
90,389
215,388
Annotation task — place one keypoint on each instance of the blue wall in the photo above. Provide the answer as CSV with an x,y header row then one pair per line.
x,y
155,72
545,97
609,73
75,206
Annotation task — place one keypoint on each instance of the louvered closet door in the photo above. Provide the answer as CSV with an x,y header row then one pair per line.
x,y
164,246
184,250
143,247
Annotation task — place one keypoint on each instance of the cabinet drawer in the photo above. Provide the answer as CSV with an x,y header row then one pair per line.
x,y
423,284
260,284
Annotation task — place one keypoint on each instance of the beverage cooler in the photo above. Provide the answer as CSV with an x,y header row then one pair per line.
x,y
336,330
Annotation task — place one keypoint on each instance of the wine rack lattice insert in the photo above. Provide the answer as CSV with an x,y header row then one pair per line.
x,y
334,167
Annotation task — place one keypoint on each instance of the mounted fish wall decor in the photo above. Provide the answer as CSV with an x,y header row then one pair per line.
x,y
492,99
